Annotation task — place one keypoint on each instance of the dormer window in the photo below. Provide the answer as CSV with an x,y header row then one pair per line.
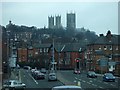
x,y
110,47
117,48
40,50
44,49
36,52
105,47
99,48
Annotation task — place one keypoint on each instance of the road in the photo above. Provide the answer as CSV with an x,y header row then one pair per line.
x,y
66,77
26,77
87,83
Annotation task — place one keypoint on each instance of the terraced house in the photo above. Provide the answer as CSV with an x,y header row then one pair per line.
x,y
103,55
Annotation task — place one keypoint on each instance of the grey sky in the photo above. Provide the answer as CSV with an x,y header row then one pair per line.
x,y
95,16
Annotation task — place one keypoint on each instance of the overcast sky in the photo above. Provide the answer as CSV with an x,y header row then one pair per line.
x,y
95,16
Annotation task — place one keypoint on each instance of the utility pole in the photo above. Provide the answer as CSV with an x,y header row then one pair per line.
x,y
53,60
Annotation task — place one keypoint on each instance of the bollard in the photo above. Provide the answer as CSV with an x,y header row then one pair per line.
x,y
79,84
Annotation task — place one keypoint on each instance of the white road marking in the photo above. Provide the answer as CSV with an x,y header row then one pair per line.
x,y
83,81
112,85
76,78
88,82
100,87
33,79
91,81
75,81
94,85
105,82
19,76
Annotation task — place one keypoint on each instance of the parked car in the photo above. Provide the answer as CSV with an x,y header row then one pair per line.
x,y
39,76
43,70
14,84
109,77
27,67
52,77
34,73
91,74
77,71
68,87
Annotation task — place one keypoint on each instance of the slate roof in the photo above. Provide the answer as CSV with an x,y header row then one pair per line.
x,y
115,39
72,47
42,45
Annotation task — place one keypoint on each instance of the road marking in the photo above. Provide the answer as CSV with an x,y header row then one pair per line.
x,y
33,79
100,87
94,85
20,79
83,81
112,85
75,77
88,82
105,82
75,81
91,81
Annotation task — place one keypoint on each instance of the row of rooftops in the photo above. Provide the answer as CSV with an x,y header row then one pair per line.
x,y
109,39
69,47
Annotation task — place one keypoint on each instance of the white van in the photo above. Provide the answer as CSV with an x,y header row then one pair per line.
x,y
68,87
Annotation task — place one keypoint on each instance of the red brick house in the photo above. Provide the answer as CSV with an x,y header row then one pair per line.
x,y
103,55
65,55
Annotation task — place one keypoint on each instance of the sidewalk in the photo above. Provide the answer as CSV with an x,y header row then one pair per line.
x,y
14,75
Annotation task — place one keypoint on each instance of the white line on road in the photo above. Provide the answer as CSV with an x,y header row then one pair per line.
x,y
105,82
83,81
33,79
100,87
20,79
88,82
75,77
112,85
94,85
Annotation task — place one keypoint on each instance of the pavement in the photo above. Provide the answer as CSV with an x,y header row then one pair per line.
x,y
0,80
5,76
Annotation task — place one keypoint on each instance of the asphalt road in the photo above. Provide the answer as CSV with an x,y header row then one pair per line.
x,y
26,77
66,77
86,82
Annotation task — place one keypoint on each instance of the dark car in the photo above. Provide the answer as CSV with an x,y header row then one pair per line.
x,y
109,77
39,76
91,74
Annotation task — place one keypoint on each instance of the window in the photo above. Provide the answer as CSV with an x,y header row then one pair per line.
x,y
110,47
40,50
36,52
47,50
105,47
116,47
100,48
44,49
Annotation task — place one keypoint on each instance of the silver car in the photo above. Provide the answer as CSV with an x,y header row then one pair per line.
x,y
52,77
13,84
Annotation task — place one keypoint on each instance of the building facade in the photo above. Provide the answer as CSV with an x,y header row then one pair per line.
x,y
103,55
